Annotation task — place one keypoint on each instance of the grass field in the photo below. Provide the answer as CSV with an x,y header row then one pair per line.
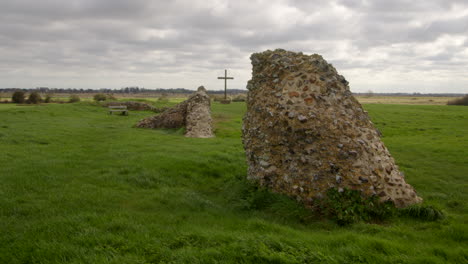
x,y
81,186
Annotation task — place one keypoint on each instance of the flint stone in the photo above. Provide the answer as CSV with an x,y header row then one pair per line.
x,y
339,126
132,105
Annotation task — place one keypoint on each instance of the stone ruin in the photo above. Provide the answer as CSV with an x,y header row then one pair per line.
x,y
305,133
194,114
131,105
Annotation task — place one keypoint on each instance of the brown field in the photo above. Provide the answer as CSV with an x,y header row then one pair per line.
x,y
413,100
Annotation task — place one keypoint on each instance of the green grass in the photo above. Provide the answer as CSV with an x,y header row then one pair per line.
x,y
81,186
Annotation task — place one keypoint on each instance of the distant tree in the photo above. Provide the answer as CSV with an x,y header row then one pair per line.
x,y
34,98
100,97
74,98
18,97
369,93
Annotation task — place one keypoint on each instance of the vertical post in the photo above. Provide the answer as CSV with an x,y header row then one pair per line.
x,y
225,84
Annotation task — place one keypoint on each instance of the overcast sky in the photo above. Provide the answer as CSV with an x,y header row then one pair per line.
x,y
378,45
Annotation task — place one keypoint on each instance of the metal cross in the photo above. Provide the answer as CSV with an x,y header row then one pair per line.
x,y
225,78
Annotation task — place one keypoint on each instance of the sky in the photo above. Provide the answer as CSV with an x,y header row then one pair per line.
x,y
377,45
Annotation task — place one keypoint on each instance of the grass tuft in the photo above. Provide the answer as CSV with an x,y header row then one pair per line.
x,y
422,212
349,206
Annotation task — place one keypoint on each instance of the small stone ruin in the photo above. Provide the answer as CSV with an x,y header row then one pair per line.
x,y
194,114
305,133
132,105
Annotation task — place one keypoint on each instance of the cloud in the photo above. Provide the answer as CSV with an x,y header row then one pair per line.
x,y
380,45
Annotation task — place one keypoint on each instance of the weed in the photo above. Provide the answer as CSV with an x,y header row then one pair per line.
x,y
422,212
349,206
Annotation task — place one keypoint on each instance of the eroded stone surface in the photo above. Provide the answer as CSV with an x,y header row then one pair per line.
x,y
194,114
198,121
305,133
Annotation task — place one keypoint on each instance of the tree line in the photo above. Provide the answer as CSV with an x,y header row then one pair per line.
x,y
124,90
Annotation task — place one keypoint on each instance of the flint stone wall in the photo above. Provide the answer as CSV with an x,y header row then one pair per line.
x,y
304,133
194,114
131,105
198,120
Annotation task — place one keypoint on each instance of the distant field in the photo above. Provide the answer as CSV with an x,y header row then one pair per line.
x,y
81,186
375,99
412,100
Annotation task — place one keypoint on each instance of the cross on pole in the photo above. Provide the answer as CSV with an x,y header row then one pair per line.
x,y
225,78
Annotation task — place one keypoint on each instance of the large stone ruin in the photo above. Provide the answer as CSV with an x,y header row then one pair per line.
x,y
194,114
305,133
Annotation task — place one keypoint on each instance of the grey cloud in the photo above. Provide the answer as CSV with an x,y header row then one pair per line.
x,y
75,9
450,26
109,35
